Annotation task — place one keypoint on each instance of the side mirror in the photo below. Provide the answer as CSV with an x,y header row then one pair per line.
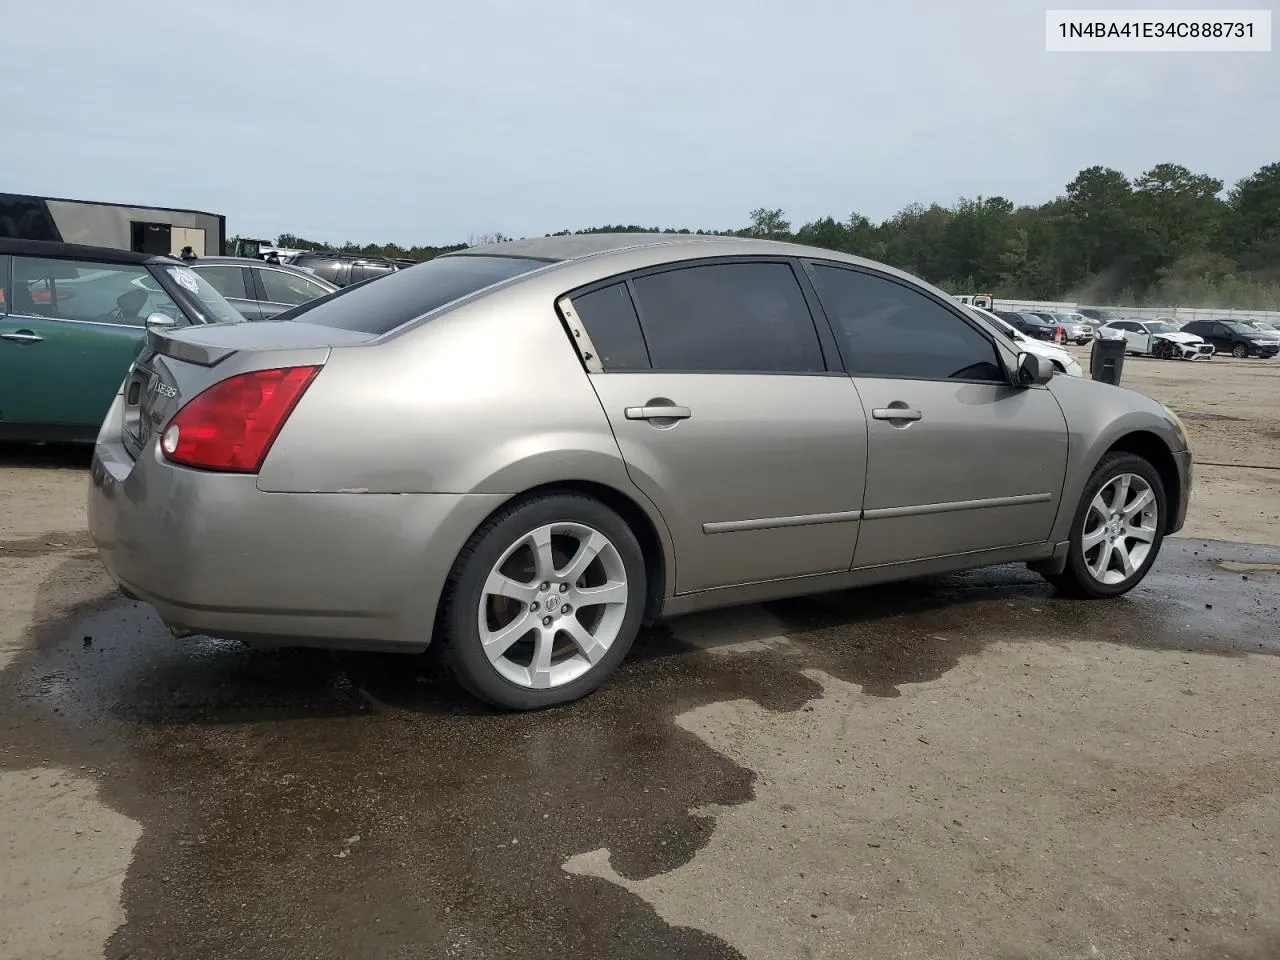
x,y
1033,369
160,321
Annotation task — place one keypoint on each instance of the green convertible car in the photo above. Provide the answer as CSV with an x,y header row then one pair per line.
x,y
73,319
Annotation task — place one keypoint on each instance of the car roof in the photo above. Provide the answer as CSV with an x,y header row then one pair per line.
x,y
610,253
580,245
675,246
244,261
77,251
332,255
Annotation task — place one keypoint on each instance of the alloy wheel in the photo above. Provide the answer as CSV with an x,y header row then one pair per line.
x,y
553,605
1120,528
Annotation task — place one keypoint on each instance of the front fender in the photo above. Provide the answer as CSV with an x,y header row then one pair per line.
x,y
1099,417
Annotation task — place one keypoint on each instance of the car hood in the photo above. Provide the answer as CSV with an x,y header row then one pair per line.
x,y
1043,349
1179,337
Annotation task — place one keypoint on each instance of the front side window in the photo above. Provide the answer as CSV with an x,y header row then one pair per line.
x,y
888,329
748,317
208,300
228,281
88,291
281,287
1159,327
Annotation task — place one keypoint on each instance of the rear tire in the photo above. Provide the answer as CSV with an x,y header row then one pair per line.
x,y
1240,351
520,626
1117,530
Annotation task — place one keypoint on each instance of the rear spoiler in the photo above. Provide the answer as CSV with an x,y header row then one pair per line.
x,y
159,342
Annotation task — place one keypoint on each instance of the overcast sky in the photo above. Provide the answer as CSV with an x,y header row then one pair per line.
x,y
424,121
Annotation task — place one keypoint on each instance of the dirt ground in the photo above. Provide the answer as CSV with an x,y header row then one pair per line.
x,y
966,767
1232,412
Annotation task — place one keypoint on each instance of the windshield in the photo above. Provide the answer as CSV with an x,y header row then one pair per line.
x,y
1159,326
379,306
1235,326
210,302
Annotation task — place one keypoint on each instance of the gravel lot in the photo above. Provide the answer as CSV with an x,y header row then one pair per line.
x,y
1232,412
965,766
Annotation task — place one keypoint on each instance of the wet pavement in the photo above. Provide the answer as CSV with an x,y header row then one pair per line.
x,y
308,804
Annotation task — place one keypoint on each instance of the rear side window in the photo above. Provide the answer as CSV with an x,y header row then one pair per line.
x,y
610,319
733,317
405,295
887,329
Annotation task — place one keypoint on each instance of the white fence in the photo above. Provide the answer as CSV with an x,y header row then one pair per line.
x,y
1185,315
1182,315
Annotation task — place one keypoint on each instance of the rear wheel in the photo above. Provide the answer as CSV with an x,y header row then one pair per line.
x,y
544,602
1240,351
1117,531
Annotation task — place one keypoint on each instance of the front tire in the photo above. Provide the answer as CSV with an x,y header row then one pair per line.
x,y
1240,351
543,602
1117,531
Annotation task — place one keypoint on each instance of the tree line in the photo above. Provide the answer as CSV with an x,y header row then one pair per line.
x,y
1170,237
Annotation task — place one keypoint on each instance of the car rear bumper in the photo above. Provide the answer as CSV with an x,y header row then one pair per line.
x,y
216,556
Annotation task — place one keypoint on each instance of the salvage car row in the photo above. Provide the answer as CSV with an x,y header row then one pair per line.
x,y
1198,340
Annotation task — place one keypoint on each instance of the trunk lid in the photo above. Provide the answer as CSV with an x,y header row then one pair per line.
x,y
176,365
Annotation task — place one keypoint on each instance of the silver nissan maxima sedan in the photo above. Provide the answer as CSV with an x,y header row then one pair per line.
x,y
522,452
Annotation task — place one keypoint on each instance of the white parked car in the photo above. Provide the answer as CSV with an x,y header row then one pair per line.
x,y
1062,361
1158,338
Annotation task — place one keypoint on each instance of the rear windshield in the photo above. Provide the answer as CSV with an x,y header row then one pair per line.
x,y
379,306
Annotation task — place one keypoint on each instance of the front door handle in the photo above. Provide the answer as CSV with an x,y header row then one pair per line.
x,y
658,411
896,413
22,336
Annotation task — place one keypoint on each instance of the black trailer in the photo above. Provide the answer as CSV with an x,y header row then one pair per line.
x,y
120,226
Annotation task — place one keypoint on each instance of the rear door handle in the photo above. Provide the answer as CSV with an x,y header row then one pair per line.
x,y
896,413
658,412
22,336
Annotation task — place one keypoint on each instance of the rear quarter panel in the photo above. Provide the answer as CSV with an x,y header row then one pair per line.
x,y
487,398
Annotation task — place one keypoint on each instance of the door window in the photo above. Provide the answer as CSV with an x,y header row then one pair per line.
x,y
228,281
887,329
611,322
88,291
748,317
281,287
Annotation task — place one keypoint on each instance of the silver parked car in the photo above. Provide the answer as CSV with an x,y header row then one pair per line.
x,y
525,451
260,289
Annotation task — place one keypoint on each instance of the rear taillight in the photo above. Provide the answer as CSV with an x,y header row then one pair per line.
x,y
232,425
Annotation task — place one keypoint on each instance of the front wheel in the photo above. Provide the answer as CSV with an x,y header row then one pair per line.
x,y
1117,531
543,602
1240,351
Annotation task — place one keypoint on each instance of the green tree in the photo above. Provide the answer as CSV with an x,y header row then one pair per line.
x,y
1252,234
769,225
